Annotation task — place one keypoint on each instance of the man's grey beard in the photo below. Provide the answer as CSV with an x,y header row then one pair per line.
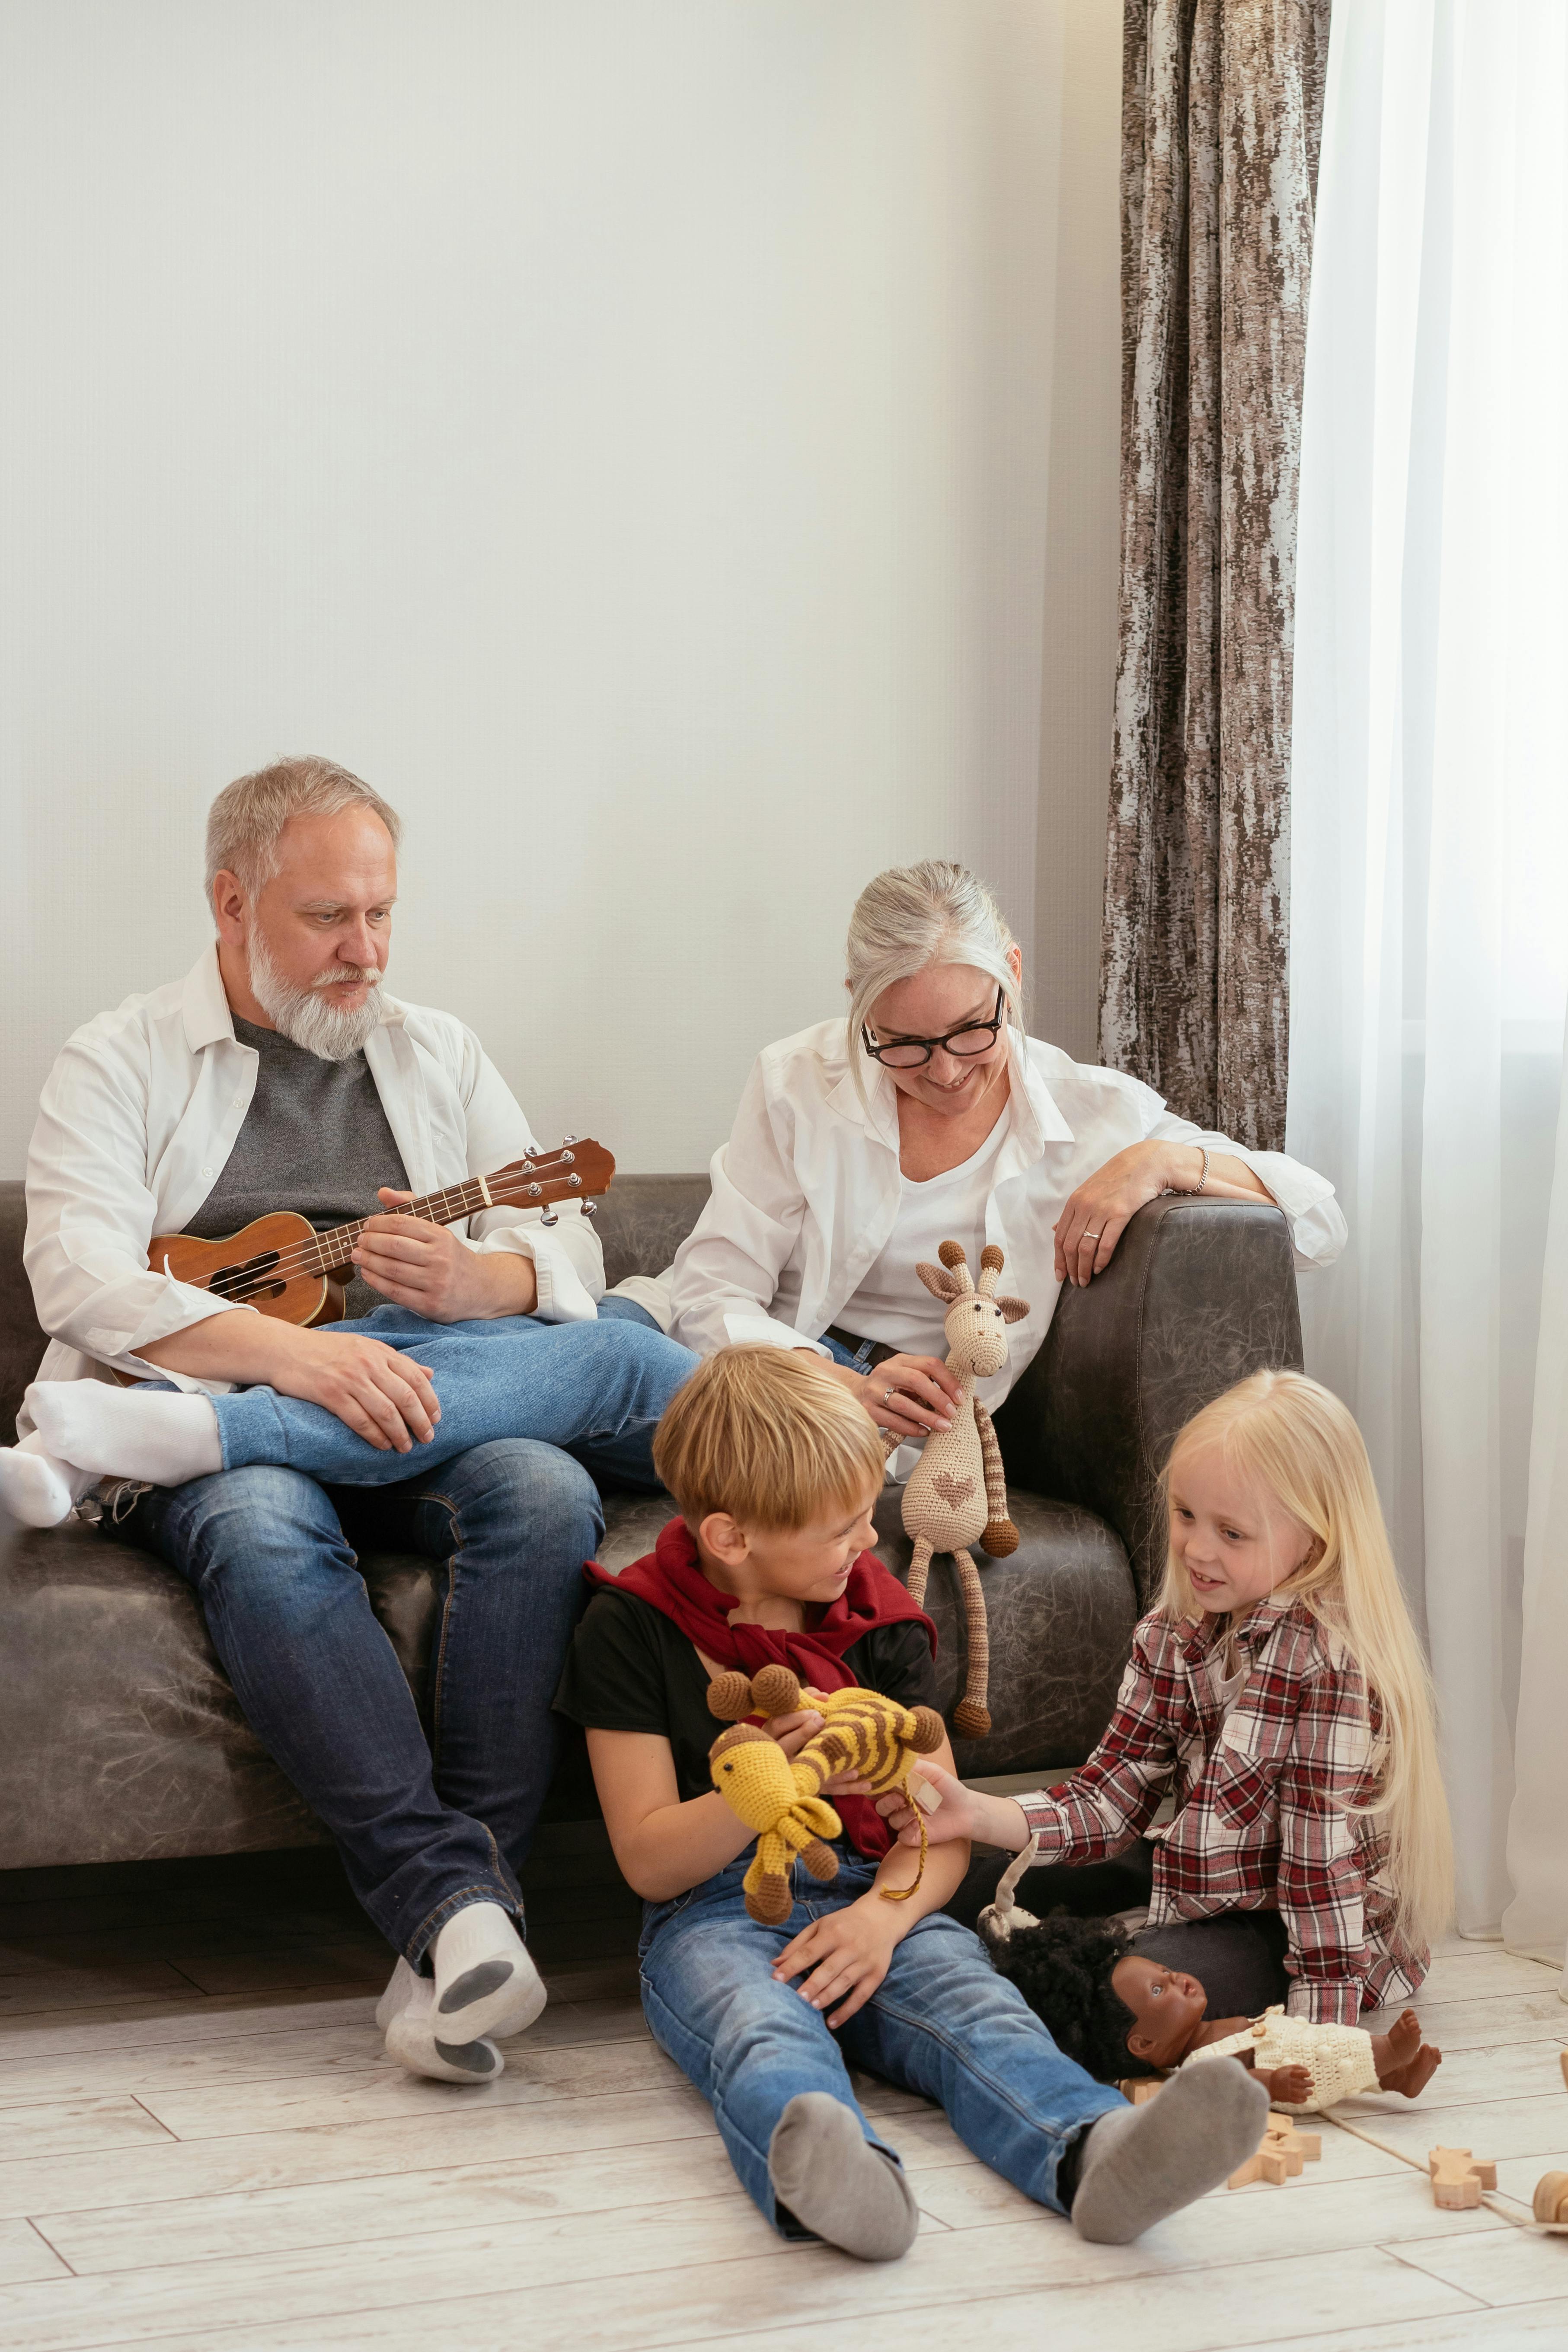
x,y
304,1015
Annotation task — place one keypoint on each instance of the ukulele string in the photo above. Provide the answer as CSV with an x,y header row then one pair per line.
x,y
296,1260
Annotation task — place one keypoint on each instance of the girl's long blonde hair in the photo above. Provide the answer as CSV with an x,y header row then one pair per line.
x,y
1285,1433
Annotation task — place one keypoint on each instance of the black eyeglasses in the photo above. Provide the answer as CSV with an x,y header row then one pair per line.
x,y
913,1053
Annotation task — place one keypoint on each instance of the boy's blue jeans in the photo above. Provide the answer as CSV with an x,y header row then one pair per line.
x,y
594,1388
425,1824
941,2024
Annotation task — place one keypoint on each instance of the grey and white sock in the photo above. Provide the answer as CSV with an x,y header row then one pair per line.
x,y
836,2183
485,1982
406,2016
1139,2164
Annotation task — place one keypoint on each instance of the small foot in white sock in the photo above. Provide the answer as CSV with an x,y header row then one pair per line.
x,y
485,1982
826,2170
159,1434
406,2016
37,1488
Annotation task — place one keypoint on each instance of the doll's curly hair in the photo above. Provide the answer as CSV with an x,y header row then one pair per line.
x,y
1063,1967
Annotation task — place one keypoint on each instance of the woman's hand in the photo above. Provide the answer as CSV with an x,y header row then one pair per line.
x,y
909,1395
847,1954
1096,1215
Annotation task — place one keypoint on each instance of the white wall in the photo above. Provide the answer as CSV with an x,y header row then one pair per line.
x,y
621,429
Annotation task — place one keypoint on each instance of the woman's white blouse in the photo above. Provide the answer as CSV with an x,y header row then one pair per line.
x,y
892,1305
806,1192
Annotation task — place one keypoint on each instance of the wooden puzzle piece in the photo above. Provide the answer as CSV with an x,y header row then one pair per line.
x,y
1458,2178
1270,2163
1139,2089
1281,2154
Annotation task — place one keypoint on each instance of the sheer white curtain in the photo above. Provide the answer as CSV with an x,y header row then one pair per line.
x,y
1429,882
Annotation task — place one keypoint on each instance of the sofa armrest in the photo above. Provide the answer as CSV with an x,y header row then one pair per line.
x,y
1199,1294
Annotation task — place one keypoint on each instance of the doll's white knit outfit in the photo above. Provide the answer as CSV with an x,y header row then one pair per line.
x,y
1338,2057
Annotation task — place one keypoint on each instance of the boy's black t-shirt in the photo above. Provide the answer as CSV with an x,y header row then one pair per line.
x,y
631,1668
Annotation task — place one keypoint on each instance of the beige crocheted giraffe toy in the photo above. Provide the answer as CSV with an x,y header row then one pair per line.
x,y
957,1494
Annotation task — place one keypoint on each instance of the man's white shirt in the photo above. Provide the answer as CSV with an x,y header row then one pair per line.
x,y
139,1114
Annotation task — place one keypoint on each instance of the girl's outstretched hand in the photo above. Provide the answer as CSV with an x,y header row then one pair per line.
x,y
955,1817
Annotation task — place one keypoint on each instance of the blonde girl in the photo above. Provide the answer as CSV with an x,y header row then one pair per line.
x,y
1279,1694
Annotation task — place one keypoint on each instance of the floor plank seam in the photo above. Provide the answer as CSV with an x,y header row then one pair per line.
x,y
45,2239
1483,2303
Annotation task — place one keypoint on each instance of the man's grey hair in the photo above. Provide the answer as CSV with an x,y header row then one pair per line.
x,y
244,823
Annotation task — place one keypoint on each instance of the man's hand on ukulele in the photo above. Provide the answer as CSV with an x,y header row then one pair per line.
x,y
383,1397
427,1268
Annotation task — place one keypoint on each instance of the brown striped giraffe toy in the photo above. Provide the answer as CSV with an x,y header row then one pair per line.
x,y
957,1493
780,1796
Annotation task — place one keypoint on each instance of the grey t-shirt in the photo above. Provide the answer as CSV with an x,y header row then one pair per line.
x,y
315,1139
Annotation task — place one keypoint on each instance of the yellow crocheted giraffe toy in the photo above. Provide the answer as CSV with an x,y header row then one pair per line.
x,y
957,1492
780,1796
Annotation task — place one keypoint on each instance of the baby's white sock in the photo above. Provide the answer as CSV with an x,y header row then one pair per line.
x,y
485,1981
155,1433
37,1488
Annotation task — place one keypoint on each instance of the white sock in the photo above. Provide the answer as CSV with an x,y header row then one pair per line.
x,y
155,1433
406,2016
485,1981
37,1487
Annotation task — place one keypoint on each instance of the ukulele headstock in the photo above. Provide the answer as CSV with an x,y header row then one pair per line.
x,y
577,1170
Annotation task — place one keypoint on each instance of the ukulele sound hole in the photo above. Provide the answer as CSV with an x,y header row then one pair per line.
x,y
247,1280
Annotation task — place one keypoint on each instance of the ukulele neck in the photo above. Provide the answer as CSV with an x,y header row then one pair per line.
x,y
332,1250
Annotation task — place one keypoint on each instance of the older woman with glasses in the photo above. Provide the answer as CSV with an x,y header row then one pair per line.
x,y
927,1116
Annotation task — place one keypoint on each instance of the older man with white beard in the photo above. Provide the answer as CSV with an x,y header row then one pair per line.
x,y
280,1074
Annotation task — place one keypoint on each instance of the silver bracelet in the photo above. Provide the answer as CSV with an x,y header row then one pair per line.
x,y
1203,1179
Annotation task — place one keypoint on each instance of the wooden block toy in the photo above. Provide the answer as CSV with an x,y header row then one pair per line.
x,y
1139,2089
925,1796
1458,2178
1549,2203
1301,2147
1270,2163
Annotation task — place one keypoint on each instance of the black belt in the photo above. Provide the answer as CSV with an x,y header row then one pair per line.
x,y
866,1352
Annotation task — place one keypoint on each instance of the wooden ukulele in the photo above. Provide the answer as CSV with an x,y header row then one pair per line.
x,y
282,1266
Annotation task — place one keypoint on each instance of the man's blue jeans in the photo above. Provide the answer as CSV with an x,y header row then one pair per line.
x,y
941,2022
270,1554
596,1388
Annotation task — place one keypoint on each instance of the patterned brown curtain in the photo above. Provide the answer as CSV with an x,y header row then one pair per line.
x,y
1221,110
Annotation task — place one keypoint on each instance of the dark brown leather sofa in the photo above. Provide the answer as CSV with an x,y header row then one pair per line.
x,y
119,1736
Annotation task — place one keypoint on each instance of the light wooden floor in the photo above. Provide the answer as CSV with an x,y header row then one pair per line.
x,y
201,2146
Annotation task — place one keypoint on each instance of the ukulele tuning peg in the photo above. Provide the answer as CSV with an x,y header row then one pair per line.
x,y
548,1217
590,1208
568,1138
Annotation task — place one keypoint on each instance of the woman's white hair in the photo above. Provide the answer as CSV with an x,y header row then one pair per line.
x,y
912,916
246,821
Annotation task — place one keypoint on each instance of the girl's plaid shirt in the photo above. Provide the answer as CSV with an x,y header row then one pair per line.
x,y
1262,1799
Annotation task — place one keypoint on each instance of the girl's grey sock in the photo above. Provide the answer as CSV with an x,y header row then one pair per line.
x,y
835,2182
1140,2163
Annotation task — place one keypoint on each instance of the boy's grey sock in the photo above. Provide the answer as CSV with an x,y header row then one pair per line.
x,y
1140,2163
835,2182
